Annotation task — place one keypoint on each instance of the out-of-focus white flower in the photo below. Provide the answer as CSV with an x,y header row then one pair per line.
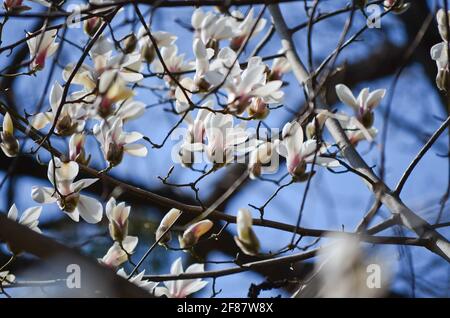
x,y
246,240
6,278
70,201
71,118
298,152
147,49
396,6
8,143
202,57
118,252
345,271
29,217
115,142
175,63
76,149
363,105
117,215
211,27
193,233
280,66
167,221
439,54
138,280
442,25
41,47
182,288
263,160
223,139
243,26
317,123
91,25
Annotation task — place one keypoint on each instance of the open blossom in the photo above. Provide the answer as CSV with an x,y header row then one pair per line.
x,y
70,201
118,252
76,149
243,26
168,220
115,142
117,215
175,63
139,280
181,288
8,143
364,104
147,49
211,27
70,120
29,217
41,47
193,233
223,139
6,278
299,153
246,239
263,159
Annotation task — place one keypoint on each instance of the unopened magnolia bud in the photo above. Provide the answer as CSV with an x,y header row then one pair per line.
x,y
9,144
236,43
91,25
193,233
148,53
130,43
65,126
246,239
167,221
114,154
258,109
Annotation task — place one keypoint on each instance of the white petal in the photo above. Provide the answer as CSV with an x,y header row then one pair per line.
x,y
43,194
13,212
345,95
136,150
90,209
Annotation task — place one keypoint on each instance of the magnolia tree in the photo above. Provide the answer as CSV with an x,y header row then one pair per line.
x,y
237,112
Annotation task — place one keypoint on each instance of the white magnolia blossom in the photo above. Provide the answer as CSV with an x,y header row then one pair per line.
x,y
29,217
117,215
139,280
263,160
299,152
364,104
6,278
193,233
8,143
211,27
439,52
76,149
202,57
243,27
168,220
175,63
147,49
125,67
115,142
118,252
71,119
41,47
246,239
70,201
181,288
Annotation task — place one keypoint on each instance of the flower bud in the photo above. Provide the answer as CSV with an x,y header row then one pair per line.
x,y
66,126
118,219
76,149
9,144
193,233
130,43
258,109
91,25
148,53
114,154
165,224
246,239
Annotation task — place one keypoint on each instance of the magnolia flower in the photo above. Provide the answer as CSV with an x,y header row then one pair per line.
x,y
396,6
181,288
66,192
243,29
263,160
364,104
211,28
8,143
246,240
118,252
223,139
298,152
193,233
124,67
202,57
115,142
442,23
118,219
280,66
71,118
76,149
147,49
168,220
316,124
91,25
6,278
175,63
29,218
439,54
41,47
138,280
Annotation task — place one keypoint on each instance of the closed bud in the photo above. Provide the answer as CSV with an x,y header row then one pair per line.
x,y
130,43
148,53
91,25
168,220
193,233
118,219
66,126
114,154
258,109
9,144
246,239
